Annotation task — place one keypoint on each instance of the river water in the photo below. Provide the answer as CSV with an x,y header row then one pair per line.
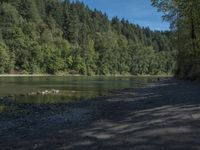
x,y
71,88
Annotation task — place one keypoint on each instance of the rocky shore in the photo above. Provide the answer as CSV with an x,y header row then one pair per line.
x,y
160,116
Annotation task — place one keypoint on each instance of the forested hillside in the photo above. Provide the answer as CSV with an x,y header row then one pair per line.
x,y
51,36
184,16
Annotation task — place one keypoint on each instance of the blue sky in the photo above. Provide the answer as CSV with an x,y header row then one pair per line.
x,y
136,11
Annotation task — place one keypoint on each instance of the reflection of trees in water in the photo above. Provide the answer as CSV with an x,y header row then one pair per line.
x,y
71,88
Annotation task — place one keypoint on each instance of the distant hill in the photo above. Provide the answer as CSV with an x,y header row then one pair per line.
x,y
50,36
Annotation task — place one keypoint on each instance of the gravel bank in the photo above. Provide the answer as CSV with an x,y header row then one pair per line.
x,y
160,116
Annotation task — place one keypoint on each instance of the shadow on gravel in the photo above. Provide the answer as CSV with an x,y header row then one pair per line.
x,y
165,116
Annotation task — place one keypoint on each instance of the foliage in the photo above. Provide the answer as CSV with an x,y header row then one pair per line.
x,y
4,59
184,16
50,36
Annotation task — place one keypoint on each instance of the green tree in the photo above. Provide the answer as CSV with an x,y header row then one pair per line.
x,y
4,59
184,16
51,36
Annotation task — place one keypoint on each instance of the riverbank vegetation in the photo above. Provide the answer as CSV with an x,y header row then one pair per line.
x,y
50,36
184,16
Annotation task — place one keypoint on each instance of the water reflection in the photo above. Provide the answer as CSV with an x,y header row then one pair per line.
x,y
71,87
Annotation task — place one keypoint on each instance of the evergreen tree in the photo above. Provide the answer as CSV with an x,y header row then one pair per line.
x,y
50,36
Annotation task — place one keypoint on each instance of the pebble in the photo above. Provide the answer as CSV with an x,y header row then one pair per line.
x,y
45,92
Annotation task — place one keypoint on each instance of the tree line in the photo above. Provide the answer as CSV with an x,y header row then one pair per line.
x,y
184,16
51,36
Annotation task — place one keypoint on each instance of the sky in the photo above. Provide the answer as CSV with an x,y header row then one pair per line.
x,y
136,11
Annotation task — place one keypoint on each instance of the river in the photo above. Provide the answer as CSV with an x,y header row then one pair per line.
x,y
71,88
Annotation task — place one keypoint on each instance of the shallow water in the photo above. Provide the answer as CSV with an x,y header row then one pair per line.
x,y
71,88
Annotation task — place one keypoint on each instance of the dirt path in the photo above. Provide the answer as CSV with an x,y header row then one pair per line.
x,y
160,116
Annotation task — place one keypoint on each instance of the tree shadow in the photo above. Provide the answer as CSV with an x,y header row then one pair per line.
x,y
160,116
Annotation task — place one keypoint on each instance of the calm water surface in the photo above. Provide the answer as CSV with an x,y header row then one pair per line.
x,y
71,87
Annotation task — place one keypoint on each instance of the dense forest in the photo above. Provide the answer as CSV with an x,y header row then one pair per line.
x,y
52,36
184,16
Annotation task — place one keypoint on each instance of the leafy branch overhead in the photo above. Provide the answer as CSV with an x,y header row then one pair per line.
x,y
184,16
